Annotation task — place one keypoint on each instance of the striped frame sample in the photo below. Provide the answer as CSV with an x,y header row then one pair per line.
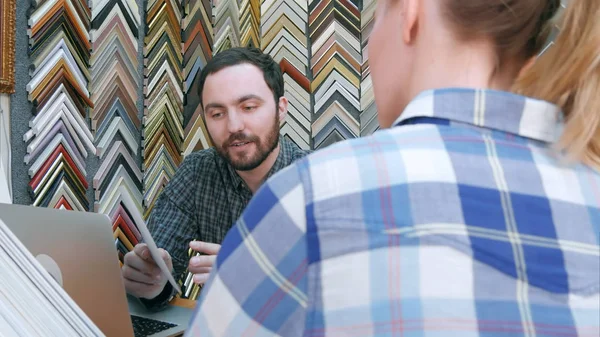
x,y
226,25
115,82
368,114
163,133
250,23
283,32
334,27
198,39
59,139
198,44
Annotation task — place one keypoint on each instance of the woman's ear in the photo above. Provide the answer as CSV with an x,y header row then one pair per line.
x,y
410,24
527,65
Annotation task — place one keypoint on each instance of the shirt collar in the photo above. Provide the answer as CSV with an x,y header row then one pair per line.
x,y
499,110
283,159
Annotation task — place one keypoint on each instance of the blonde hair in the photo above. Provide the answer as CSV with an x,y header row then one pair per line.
x,y
568,74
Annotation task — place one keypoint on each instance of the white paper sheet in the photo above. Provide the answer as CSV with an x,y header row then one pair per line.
x,y
5,151
141,224
156,254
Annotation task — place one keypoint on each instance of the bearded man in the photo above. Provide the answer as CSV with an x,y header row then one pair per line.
x,y
241,93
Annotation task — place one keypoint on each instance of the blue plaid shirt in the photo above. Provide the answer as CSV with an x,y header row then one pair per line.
x,y
458,221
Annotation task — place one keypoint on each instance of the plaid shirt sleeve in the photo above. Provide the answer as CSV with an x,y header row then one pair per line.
x,y
172,225
273,297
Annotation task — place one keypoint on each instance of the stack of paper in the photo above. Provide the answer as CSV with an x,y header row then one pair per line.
x,y
31,302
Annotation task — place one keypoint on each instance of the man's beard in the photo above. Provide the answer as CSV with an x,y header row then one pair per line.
x,y
263,149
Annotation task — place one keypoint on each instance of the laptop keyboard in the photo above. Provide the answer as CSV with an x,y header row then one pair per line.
x,y
143,326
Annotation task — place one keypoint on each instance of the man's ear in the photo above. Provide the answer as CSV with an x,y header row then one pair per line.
x,y
282,108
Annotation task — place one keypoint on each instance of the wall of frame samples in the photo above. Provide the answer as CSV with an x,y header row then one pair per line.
x,y
104,106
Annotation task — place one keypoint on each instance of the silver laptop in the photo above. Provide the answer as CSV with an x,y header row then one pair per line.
x,y
78,250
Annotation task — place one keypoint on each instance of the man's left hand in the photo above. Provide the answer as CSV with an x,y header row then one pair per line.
x,y
201,265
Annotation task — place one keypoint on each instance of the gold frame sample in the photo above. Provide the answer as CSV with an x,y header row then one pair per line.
x,y
7,46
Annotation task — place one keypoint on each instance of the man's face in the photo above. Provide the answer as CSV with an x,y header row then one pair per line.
x,y
242,118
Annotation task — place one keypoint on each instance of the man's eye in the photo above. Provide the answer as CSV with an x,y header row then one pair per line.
x,y
217,114
249,108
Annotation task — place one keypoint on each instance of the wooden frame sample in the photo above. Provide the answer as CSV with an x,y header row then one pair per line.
x,y
7,46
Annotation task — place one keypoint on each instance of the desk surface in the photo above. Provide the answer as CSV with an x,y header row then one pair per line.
x,y
183,302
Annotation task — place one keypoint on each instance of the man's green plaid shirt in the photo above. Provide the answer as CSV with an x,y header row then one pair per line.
x,y
202,201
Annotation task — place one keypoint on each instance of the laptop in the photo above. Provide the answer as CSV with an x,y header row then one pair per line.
x,y
78,250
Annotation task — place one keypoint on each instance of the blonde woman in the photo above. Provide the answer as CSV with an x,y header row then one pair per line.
x,y
475,211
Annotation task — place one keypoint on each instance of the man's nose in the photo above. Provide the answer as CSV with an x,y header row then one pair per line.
x,y
235,122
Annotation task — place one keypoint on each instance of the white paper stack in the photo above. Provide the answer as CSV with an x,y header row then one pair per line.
x,y
31,302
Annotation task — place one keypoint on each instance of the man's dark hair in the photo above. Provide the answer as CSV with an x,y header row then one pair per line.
x,y
240,55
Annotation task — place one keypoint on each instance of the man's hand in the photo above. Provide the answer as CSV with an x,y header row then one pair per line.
x,y
141,275
201,265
